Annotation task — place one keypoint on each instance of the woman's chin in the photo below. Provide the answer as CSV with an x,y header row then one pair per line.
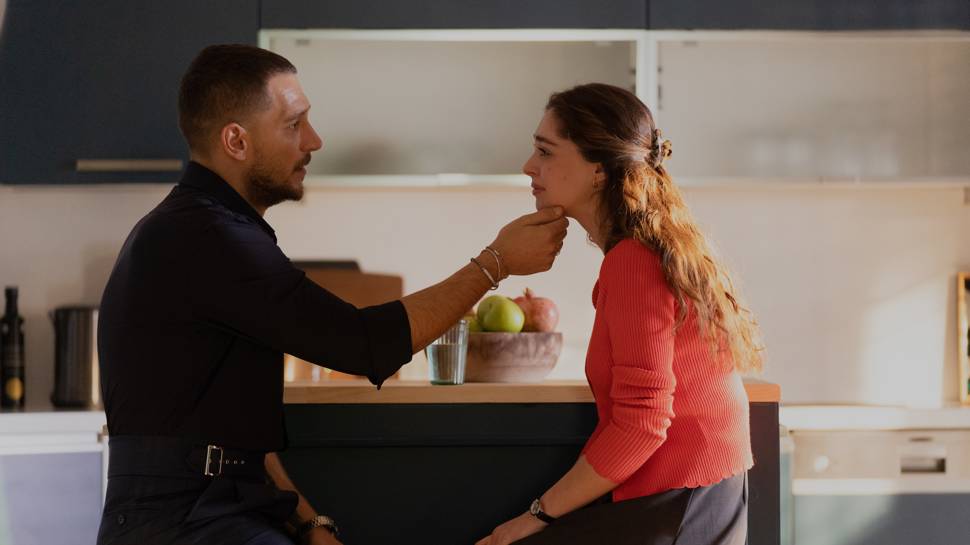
x,y
542,202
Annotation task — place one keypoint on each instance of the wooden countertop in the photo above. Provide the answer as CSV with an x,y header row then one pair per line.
x,y
412,391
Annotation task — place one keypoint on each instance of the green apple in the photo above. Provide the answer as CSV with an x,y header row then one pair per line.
x,y
499,313
473,325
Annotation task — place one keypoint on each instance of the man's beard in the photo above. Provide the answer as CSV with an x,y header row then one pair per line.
x,y
268,188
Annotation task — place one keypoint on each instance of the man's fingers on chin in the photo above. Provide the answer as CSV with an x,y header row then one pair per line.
x,y
556,212
559,224
545,215
551,222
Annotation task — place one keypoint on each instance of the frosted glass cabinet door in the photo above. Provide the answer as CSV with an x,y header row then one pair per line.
x,y
50,498
845,107
410,107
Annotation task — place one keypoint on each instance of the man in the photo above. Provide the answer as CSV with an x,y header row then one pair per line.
x,y
202,304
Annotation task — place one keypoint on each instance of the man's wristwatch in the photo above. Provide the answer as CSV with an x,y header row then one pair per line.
x,y
316,522
536,511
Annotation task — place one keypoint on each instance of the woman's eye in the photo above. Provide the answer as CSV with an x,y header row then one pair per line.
x,y
542,152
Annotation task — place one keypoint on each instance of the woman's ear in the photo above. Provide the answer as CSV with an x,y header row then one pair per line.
x,y
234,140
599,177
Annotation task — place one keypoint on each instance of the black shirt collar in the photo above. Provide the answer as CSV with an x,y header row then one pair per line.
x,y
200,177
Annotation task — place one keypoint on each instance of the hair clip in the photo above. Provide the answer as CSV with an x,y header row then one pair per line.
x,y
662,148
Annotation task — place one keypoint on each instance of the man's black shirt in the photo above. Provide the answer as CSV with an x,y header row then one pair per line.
x,y
198,311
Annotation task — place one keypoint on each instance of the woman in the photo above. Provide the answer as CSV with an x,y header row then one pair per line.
x,y
667,346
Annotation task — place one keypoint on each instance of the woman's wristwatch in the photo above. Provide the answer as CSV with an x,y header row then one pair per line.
x,y
536,511
316,522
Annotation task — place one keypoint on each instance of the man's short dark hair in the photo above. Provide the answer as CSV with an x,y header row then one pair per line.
x,y
223,84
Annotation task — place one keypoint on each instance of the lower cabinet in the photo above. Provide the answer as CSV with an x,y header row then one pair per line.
x,y
52,477
881,487
50,498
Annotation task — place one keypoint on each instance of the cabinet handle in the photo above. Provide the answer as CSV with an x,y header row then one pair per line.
x,y
128,165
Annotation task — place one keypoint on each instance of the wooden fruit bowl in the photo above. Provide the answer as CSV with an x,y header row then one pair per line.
x,y
511,357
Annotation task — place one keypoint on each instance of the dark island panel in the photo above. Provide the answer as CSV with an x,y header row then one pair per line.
x,y
448,473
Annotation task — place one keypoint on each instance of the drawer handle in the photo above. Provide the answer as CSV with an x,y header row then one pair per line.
x,y
922,464
129,165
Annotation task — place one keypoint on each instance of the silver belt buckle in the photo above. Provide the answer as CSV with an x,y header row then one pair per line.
x,y
208,460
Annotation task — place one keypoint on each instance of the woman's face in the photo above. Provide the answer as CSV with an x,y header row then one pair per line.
x,y
560,175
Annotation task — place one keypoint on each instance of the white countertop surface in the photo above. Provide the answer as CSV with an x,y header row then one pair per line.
x,y
51,421
48,430
870,417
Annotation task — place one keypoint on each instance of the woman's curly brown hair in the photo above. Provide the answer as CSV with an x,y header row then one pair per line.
x,y
611,126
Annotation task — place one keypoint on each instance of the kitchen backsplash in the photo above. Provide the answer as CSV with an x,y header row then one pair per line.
x,y
853,286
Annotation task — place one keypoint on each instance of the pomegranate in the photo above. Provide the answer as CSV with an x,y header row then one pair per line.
x,y
541,313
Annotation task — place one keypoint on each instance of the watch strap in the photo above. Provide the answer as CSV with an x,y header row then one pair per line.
x,y
316,522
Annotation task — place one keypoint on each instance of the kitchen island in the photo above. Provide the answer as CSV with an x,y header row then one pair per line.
x,y
416,463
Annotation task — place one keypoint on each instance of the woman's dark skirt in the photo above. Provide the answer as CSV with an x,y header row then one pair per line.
x,y
709,515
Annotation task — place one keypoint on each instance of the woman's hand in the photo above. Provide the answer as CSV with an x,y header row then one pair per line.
x,y
320,536
521,526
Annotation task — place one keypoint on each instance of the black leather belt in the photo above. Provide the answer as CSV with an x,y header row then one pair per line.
x,y
177,457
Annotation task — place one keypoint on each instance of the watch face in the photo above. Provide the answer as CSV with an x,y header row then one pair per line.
x,y
534,508
329,524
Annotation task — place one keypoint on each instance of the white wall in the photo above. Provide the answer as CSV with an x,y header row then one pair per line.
x,y
854,287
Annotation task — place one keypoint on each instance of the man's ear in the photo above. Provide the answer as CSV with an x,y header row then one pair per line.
x,y
234,140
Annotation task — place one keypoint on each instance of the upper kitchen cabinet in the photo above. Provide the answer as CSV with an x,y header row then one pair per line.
x,y
815,107
441,107
89,92
381,14
809,14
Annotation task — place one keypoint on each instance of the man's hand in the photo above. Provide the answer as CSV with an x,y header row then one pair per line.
x,y
304,511
527,245
521,526
530,243
319,536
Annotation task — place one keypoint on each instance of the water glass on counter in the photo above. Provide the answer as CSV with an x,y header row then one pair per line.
x,y
446,355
